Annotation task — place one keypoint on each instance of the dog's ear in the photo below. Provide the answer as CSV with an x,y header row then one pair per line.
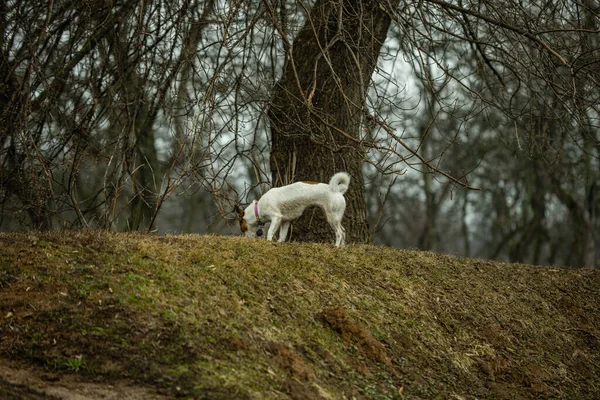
x,y
238,211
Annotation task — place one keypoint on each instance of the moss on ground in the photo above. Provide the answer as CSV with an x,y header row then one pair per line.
x,y
227,317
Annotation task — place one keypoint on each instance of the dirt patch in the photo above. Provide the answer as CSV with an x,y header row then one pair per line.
x,y
297,390
354,332
288,360
18,383
235,343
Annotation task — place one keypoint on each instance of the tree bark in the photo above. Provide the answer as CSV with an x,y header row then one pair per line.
x,y
317,107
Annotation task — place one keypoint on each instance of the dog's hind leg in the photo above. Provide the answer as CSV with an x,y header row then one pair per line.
x,y
334,217
283,231
340,234
336,224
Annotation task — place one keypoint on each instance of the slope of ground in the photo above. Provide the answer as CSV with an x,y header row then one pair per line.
x,y
84,315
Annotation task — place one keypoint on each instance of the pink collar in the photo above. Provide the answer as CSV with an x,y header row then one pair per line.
x,y
259,231
256,211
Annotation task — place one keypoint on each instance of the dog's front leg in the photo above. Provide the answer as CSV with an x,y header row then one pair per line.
x,y
275,224
283,231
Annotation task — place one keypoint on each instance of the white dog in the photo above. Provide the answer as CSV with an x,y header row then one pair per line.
x,y
283,204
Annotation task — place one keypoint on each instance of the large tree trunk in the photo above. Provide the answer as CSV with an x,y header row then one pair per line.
x,y
317,107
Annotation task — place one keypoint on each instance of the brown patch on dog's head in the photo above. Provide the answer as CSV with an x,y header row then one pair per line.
x,y
240,213
310,182
243,225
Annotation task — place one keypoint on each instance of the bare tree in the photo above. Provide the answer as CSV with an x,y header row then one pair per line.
x,y
126,115
318,106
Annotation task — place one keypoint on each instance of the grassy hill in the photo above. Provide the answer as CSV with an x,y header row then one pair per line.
x,y
230,318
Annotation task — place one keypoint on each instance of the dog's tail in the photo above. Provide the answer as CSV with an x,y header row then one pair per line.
x,y
339,182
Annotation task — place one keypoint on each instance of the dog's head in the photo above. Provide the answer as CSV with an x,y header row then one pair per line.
x,y
247,220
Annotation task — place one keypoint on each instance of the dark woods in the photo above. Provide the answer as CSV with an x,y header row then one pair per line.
x,y
468,127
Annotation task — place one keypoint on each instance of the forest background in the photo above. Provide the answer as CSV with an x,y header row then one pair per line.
x,y
469,127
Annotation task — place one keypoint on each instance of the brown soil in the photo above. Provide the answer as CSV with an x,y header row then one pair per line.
x,y
18,382
354,332
286,359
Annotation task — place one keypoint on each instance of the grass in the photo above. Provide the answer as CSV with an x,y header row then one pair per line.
x,y
75,363
227,317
